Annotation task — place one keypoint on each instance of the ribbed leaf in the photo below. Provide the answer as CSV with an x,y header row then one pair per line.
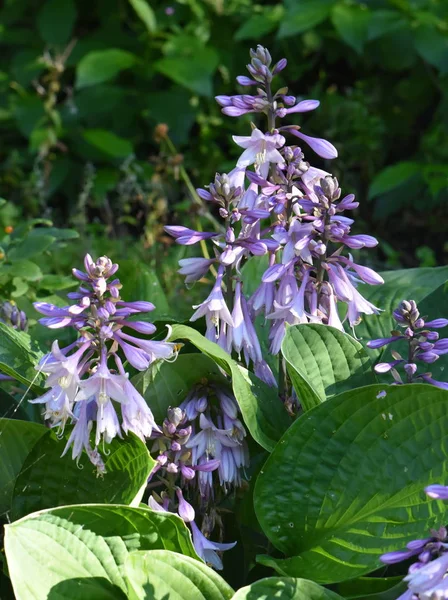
x,y
16,441
160,574
323,361
285,588
78,552
47,479
345,483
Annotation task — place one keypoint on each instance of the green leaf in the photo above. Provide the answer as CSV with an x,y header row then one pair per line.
x,y
356,466
102,65
17,358
161,574
30,246
383,22
23,268
142,283
54,283
260,24
108,142
16,441
352,23
195,73
47,479
78,552
262,412
432,46
21,287
372,588
285,588
392,177
170,384
146,14
323,361
55,21
404,284
303,15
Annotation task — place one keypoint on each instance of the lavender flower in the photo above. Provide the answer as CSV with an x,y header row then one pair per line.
x,y
200,438
427,578
83,386
287,209
12,316
423,345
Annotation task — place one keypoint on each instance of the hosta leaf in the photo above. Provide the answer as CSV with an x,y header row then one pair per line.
x,y
160,574
17,358
76,552
16,441
323,361
285,588
47,479
345,483
262,412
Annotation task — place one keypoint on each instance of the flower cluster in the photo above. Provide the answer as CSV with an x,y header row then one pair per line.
x,y
285,209
427,578
12,316
201,437
423,345
87,380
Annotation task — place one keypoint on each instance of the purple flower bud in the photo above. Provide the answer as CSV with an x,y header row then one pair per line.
x,y
380,342
437,323
410,368
185,510
279,66
245,81
437,492
320,146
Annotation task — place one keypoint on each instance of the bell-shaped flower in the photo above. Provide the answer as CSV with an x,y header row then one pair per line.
x,y
206,549
260,149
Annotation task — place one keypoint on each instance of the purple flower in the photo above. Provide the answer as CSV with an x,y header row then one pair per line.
x,y
320,146
206,549
437,492
214,308
261,149
186,237
423,345
185,510
194,268
83,387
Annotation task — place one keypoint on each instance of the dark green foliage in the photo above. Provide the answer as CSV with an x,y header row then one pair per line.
x,y
83,84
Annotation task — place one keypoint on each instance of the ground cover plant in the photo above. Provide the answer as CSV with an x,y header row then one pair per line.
x,y
269,444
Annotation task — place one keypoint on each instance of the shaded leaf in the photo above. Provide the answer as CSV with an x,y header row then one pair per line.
x,y
16,441
47,479
108,142
102,65
285,588
351,22
145,13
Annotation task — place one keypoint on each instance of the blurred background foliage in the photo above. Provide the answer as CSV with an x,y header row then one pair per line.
x,y
85,83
